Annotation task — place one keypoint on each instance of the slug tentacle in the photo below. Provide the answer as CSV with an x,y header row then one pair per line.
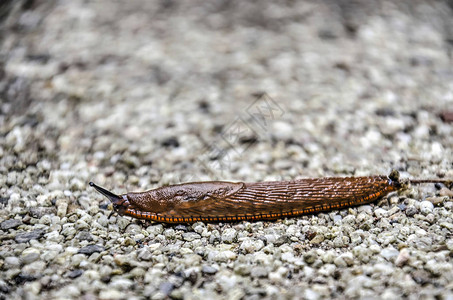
x,y
120,203
220,201
112,197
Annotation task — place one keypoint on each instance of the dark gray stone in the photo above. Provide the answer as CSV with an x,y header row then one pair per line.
x,y
90,249
26,237
9,224
74,274
166,287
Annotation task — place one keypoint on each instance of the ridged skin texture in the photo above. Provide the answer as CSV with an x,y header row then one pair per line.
x,y
218,201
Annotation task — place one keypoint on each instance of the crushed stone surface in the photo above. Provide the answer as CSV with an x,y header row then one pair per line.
x,y
133,95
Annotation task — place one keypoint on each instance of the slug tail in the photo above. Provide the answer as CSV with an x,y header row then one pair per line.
x,y
420,181
115,199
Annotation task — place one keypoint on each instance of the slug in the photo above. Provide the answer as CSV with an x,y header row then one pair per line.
x,y
221,201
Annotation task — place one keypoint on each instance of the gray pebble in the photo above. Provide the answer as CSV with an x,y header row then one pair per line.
x,y
368,209
170,233
39,212
229,235
26,237
403,257
46,220
29,255
90,249
145,254
53,236
138,273
282,239
84,236
293,230
11,262
337,219
199,228
310,257
421,276
278,275
339,241
128,241
389,253
242,269
49,255
383,268
133,229
181,227
13,273
349,219
105,271
155,229
74,273
270,238
68,230
77,259
81,225
103,221
288,257
259,272
121,284
426,207
62,208
190,236
380,212
208,270
123,223
319,238
34,269
4,287
224,256
411,210
447,225
327,270
344,260
328,256
10,224
166,288
127,260
250,245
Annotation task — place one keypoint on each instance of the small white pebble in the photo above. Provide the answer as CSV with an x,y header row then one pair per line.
x,y
426,207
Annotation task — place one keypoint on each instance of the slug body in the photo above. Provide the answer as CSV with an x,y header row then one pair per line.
x,y
220,201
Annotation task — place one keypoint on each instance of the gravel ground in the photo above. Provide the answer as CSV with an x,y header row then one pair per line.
x,y
137,94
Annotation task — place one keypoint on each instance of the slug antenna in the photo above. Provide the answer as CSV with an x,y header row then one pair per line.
x,y
112,197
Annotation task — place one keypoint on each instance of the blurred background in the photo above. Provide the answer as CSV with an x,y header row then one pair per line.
x,y
149,91
137,94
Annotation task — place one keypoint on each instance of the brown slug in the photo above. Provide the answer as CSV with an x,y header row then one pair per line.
x,y
221,201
